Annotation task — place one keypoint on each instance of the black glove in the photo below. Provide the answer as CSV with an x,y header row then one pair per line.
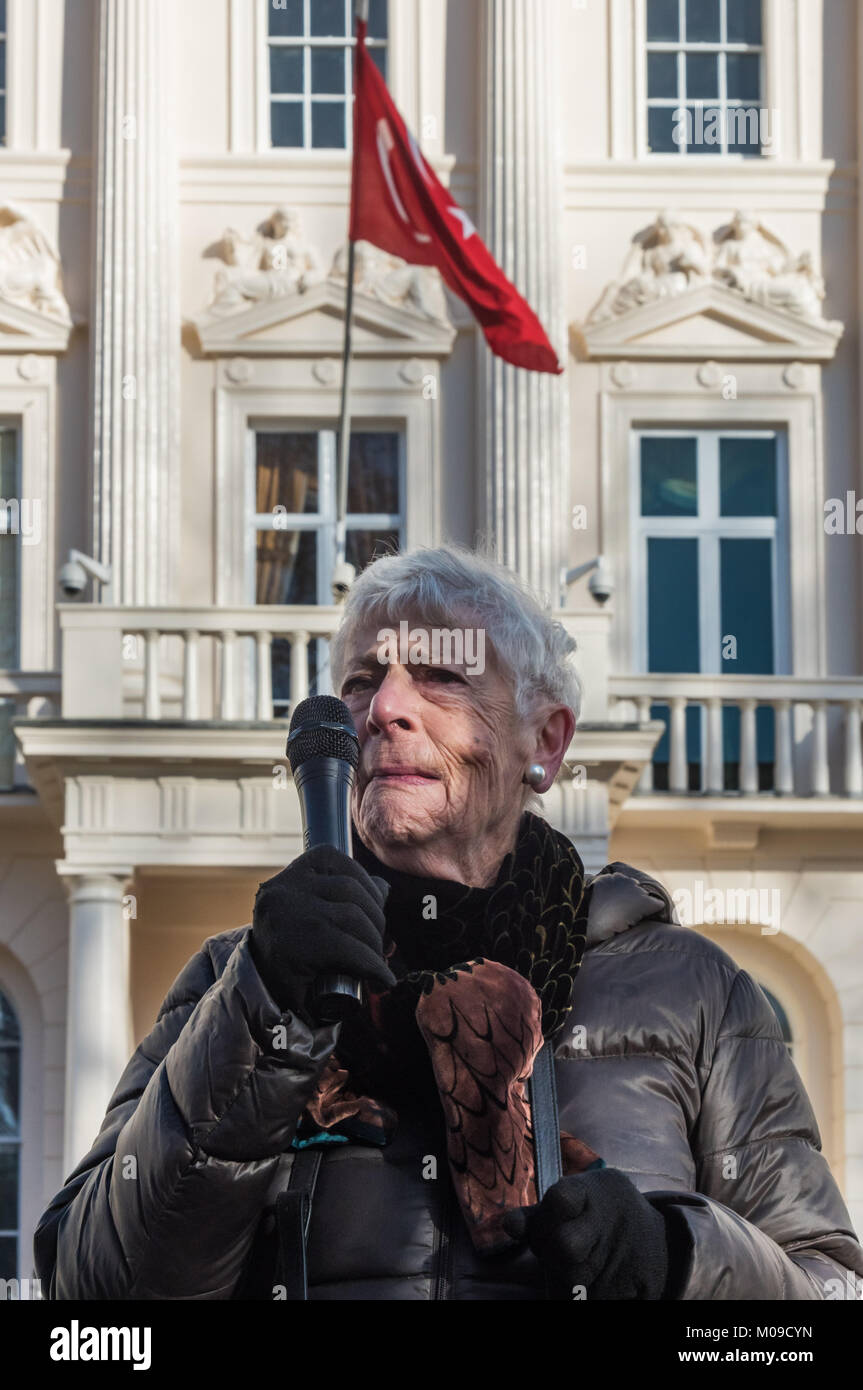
x,y
322,915
596,1229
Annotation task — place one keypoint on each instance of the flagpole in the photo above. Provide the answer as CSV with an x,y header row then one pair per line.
x,y
361,13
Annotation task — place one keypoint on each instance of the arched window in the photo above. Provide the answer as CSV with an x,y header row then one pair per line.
x,y
10,1137
782,1018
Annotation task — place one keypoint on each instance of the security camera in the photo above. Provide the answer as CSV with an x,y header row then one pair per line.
x,y
344,575
601,583
77,570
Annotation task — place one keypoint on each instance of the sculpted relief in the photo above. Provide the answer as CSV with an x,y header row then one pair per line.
x,y
30,267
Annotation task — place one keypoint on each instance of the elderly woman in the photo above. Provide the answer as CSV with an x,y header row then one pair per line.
x,y
690,1154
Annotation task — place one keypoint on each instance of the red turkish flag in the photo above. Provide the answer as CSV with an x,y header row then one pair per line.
x,y
399,204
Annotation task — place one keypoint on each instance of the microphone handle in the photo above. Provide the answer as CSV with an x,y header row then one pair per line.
x,y
324,788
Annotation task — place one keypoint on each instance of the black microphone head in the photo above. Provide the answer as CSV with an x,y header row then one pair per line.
x,y
322,727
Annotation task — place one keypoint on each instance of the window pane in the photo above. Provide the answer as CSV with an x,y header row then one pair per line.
x,y
328,18
702,21
286,124
743,76
3,65
10,1097
662,122
747,477
287,20
662,74
672,604
702,76
379,58
746,590
9,1030
286,472
373,473
361,547
286,70
328,125
8,1187
3,15
705,129
744,129
378,19
328,70
8,1257
668,477
744,21
286,569
663,23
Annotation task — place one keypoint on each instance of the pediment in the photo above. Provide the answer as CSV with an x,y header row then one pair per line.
x,y
311,323
712,321
23,329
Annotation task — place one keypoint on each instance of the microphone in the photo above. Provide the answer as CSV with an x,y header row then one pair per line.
x,y
324,751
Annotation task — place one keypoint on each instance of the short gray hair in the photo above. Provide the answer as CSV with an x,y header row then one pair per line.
x,y
447,584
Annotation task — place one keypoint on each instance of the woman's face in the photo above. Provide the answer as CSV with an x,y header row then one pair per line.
x,y
442,757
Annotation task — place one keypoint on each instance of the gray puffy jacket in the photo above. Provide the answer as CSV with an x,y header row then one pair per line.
x,y
672,1067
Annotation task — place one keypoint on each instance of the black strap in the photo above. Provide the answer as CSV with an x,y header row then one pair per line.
x,y
293,1215
544,1117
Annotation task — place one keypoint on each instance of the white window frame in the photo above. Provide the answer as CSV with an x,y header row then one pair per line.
x,y
708,527
680,47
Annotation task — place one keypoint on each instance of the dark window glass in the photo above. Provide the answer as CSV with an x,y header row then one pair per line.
x,y
2,120
747,477
328,125
9,553
361,547
379,58
373,473
661,126
9,1030
702,21
287,472
328,18
702,76
286,21
672,604
662,74
704,127
286,567
743,124
744,21
8,1257
743,76
746,592
286,70
663,21
10,1098
668,477
3,64
286,125
328,70
378,19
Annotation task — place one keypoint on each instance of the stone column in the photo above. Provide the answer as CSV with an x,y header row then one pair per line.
x,y
99,1015
522,421
135,321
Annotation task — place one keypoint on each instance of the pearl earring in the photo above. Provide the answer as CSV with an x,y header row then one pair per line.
x,y
534,775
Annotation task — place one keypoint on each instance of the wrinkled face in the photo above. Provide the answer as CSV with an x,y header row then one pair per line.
x,y
442,755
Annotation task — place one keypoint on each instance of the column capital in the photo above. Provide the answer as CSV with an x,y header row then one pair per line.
x,y
93,882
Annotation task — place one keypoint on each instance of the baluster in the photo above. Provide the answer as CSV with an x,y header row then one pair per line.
x,y
263,641
152,701
853,751
190,675
229,675
748,748
678,780
299,668
783,754
715,755
820,765
645,781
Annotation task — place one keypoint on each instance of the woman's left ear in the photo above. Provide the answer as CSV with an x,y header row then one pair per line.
x,y
553,741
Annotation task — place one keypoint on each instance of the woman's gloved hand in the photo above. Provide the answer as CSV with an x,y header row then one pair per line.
x,y
596,1230
322,915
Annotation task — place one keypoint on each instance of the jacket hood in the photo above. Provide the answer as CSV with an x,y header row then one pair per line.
x,y
622,897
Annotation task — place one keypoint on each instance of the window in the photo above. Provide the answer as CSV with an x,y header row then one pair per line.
x,y
2,72
704,77
295,523
10,1137
310,51
10,549
711,576
781,1018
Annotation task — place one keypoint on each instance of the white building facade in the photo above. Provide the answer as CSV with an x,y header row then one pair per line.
x,y
674,186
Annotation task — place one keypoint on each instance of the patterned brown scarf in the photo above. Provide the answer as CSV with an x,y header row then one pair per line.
x,y
484,976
